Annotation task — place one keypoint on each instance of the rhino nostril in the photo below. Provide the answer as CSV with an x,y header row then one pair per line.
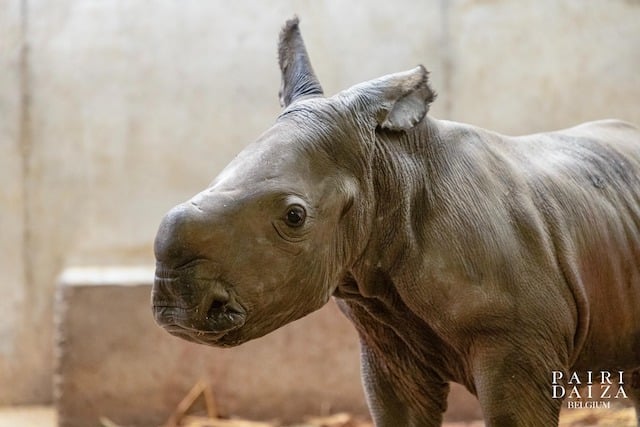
x,y
217,305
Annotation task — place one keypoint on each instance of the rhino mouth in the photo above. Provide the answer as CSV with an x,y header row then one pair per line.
x,y
187,324
198,310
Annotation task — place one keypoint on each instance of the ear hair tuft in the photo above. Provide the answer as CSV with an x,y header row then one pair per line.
x,y
298,78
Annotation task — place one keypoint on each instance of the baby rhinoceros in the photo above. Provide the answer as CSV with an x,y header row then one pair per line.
x,y
509,265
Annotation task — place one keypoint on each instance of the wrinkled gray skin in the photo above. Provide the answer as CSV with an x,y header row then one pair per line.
x,y
459,254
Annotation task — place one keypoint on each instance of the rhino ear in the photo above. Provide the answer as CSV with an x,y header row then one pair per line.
x,y
401,100
298,78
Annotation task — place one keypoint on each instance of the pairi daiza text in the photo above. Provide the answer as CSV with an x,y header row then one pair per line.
x,y
576,387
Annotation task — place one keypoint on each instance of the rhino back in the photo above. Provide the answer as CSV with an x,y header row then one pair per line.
x,y
586,183
565,211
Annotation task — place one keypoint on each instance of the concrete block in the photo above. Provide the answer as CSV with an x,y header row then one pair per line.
x,y
113,361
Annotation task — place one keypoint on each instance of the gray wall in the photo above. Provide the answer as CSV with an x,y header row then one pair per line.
x,y
113,111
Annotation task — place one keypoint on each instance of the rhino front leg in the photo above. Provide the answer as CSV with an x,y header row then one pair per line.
x,y
396,399
514,387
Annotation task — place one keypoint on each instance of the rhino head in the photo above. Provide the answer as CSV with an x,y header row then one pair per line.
x,y
283,224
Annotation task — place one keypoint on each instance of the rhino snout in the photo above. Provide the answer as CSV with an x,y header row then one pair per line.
x,y
190,298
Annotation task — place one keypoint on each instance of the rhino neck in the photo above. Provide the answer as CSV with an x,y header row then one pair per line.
x,y
405,178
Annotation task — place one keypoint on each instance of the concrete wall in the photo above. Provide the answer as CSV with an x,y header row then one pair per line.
x,y
520,67
111,112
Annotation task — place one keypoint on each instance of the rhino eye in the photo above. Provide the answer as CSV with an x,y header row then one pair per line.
x,y
295,216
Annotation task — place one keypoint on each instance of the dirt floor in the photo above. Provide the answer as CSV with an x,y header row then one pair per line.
x,y
43,416
28,416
